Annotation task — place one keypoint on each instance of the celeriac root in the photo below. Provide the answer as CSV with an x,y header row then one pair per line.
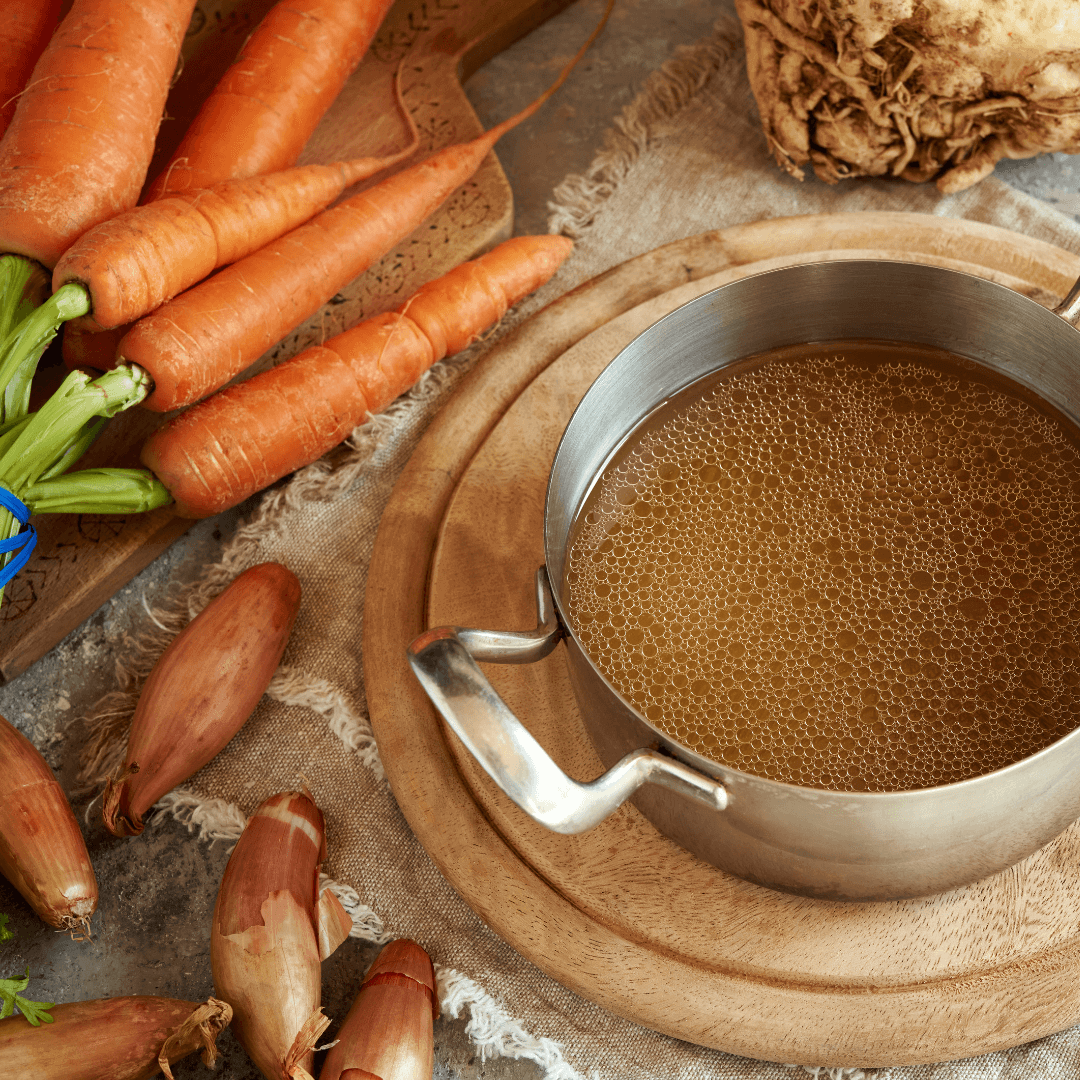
x,y
920,89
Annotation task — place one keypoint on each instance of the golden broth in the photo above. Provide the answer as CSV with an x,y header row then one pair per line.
x,y
851,567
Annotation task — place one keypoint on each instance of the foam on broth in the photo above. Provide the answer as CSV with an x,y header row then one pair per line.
x,y
853,567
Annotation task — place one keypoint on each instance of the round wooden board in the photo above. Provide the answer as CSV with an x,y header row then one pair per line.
x,y
620,914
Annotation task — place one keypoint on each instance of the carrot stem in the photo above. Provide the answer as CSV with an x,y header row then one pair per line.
x,y
24,334
23,346
62,419
37,449
97,491
17,276
10,430
78,446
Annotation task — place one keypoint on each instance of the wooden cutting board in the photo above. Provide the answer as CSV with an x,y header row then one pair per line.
x,y
82,560
620,914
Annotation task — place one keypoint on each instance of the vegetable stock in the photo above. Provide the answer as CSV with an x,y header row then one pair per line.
x,y
851,566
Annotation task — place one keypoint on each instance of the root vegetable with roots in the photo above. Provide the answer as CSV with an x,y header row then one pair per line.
x,y
920,89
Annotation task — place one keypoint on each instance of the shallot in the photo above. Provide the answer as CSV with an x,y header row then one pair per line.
x,y
202,690
270,932
122,1038
42,851
389,1031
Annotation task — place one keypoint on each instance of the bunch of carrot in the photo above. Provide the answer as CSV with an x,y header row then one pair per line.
x,y
137,269
90,77
197,342
215,454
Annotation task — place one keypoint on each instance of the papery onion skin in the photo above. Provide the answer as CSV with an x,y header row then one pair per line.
x,y
42,851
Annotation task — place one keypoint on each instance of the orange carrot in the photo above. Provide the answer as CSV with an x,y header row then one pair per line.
x,y
134,262
198,341
25,29
80,142
268,103
235,443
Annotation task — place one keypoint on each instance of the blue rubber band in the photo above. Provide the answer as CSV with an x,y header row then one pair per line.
x,y
23,543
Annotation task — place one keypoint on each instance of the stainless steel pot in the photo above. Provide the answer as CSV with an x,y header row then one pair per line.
x,y
836,845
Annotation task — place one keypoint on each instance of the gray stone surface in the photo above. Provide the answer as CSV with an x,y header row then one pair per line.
x,y
157,891
565,134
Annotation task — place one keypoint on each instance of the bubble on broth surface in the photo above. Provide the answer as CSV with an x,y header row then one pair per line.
x,y
850,567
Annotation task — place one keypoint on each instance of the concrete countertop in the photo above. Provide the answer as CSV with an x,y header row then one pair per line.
x,y
157,891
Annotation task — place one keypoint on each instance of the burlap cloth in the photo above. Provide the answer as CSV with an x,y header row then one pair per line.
x,y
687,156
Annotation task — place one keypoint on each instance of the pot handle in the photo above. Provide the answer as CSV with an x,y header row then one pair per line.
x,y
444,660
1069,308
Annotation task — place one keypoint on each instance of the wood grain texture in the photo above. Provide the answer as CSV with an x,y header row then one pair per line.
x,y
81,562
620,914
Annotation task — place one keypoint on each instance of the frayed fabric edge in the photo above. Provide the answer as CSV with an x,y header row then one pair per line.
x,y
580,197
366,924
834,1072
212,819
494,1030
291,686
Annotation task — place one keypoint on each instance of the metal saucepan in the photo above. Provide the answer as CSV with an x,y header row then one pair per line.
x,y
831,844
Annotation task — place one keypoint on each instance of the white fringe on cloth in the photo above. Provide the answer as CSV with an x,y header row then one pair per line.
x,y
825,1072
494,1030
366,924
214,819
291,686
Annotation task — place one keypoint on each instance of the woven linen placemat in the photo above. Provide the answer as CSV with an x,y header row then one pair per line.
x,y
685,157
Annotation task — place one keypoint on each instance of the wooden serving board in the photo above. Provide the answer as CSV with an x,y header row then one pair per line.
x,y
82,560
620,914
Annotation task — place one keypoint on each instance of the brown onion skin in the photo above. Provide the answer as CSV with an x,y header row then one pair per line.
x,y
203,688
388,1033
107,1039
42,851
